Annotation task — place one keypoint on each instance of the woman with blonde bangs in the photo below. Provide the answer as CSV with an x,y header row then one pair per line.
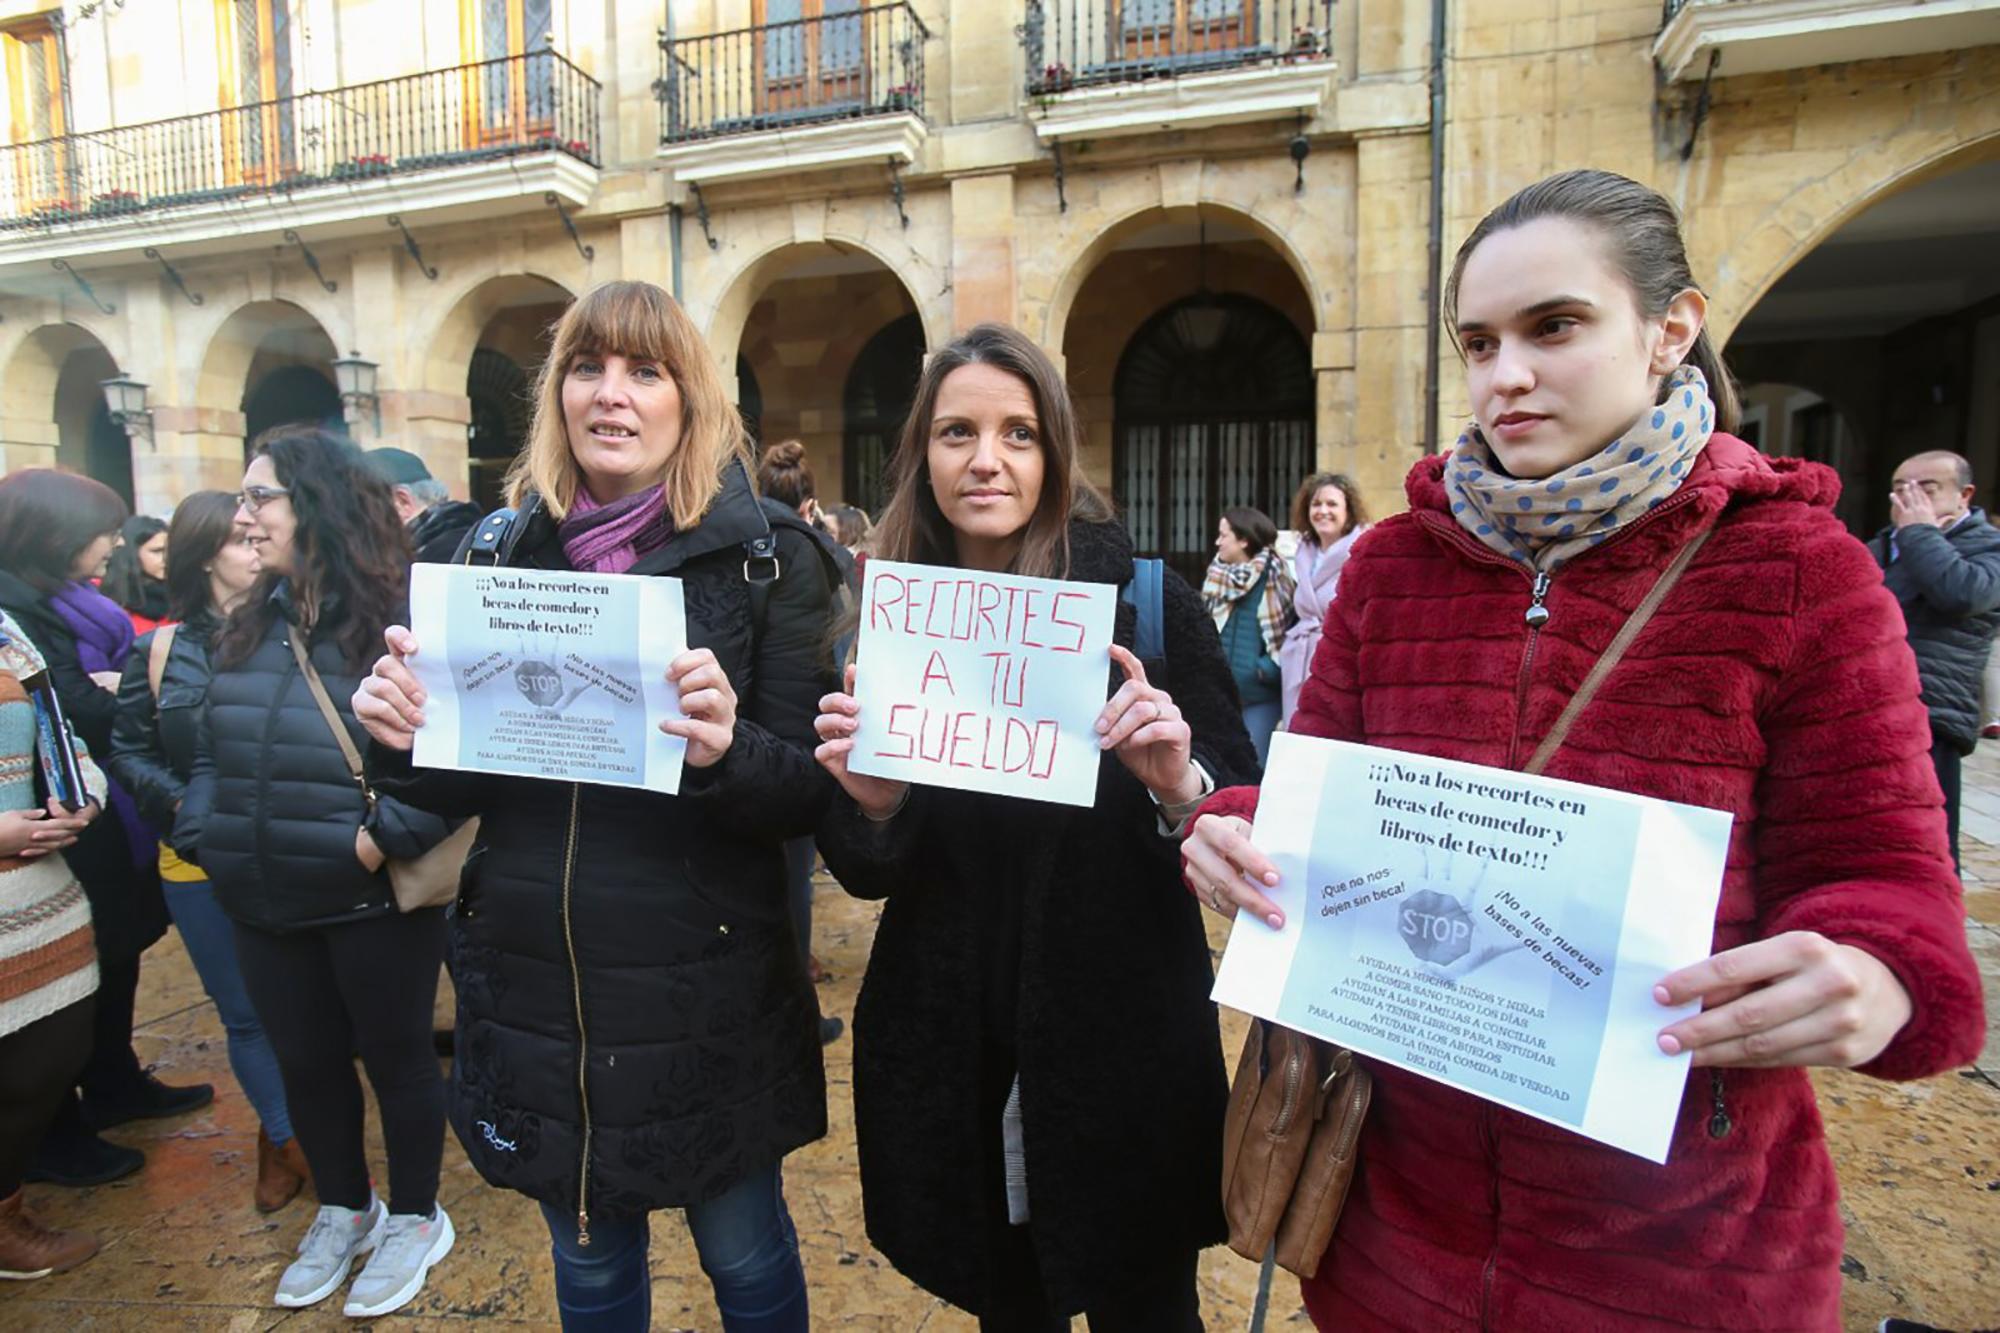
x,y
634,1029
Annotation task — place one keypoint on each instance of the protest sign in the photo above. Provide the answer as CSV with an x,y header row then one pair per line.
x,y
548,675
985,682
1496,932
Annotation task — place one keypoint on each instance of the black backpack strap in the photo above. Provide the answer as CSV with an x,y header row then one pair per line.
x,y
489,539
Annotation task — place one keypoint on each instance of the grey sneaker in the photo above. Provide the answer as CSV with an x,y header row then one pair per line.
x,y
411,1244
337,1236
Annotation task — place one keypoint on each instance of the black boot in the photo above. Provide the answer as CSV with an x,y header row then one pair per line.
x,y
145,1098
71,1155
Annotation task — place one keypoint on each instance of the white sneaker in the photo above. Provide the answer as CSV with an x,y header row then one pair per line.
x,y
411,1244
335,1239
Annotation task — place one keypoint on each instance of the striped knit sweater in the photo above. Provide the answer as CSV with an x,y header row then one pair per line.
x,y
48,958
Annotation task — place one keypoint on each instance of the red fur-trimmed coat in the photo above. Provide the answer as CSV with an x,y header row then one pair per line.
x,y
1776,683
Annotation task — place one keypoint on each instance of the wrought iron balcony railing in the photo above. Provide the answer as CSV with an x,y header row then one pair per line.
x,y
1082,43
532,103
850,61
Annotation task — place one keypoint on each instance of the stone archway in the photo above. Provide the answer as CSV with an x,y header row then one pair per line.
x,y
54,412
259,341
1883,339
814,311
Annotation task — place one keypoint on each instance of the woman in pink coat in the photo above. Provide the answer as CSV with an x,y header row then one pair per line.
x,y
1327,515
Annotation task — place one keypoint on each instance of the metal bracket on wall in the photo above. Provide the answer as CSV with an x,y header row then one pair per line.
x,y
1701,103
1062,200
410,244
701,215
63,264
312,260
896,191
194,298
587,251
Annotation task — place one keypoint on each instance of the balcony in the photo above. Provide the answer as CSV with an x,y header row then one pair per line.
x,y
1109,67
465,139
1759,36
809,94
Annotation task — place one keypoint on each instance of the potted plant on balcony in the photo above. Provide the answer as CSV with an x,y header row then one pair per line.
x,y
57,210
112,202
363,165
902,97
1057,78
1307,44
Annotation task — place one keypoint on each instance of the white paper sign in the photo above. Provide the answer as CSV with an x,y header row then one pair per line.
x,y
985,682
1497,932
548,675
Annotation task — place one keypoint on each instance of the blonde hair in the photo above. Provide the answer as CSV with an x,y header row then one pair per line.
x,y
640,321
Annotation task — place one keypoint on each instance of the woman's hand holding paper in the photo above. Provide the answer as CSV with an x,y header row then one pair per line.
x,y
879,798
1796,999
709,702
389,702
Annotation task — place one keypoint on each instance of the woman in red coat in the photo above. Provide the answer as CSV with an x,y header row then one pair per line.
x,y
1774,683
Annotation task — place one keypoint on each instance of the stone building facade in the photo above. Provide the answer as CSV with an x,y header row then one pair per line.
x,y
1216,214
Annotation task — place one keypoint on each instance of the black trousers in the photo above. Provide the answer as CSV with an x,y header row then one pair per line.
x,y
324,993
1165,1300
111,1070
1946,759
38,1070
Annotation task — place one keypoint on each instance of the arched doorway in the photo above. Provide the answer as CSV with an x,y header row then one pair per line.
x,y
57,377
880,388
1188,349
499,333
821,309
749,401
502,403
1884,341
273,361
292,393
1214,408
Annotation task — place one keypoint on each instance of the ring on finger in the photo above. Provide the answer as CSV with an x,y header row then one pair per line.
x,y
1215,896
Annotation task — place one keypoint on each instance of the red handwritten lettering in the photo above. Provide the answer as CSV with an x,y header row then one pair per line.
x,y
936,669
909,746
1055,616
880,603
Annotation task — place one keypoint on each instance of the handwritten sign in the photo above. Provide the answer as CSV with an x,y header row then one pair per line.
x,y
548,675
1497,932
984,682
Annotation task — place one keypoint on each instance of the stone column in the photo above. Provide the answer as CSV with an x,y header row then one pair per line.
x,y
193,449
431,426
982,250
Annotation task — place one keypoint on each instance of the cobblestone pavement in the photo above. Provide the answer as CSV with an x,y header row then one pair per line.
x,y
1919,1165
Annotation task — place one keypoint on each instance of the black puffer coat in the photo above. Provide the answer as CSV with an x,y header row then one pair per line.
x,y
1949,586
128,912
1102,1004
153,742
271,808
634,1028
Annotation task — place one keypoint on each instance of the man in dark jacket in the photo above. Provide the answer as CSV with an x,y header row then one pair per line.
x,y
436,522
1941,557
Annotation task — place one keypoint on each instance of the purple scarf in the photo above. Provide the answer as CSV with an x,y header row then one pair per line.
x,y
609,539
103,638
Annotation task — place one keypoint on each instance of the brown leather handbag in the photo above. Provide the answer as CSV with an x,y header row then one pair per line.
x,y
1296,1107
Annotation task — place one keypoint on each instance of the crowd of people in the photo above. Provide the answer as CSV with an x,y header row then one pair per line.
x,y
1039,1089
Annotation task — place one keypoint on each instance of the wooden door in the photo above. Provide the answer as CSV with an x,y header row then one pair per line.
x,y
512,99
34,80
811,53
1160,29
260,141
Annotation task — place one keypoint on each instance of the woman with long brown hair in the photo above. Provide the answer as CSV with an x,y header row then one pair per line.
x,y
211,567
635,1030
1038,1081
296,851
1328,515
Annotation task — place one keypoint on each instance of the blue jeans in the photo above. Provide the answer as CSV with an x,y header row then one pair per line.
x,y
211,946
1260,720
746,1245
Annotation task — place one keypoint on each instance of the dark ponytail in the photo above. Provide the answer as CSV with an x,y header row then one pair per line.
x,y
1643,239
